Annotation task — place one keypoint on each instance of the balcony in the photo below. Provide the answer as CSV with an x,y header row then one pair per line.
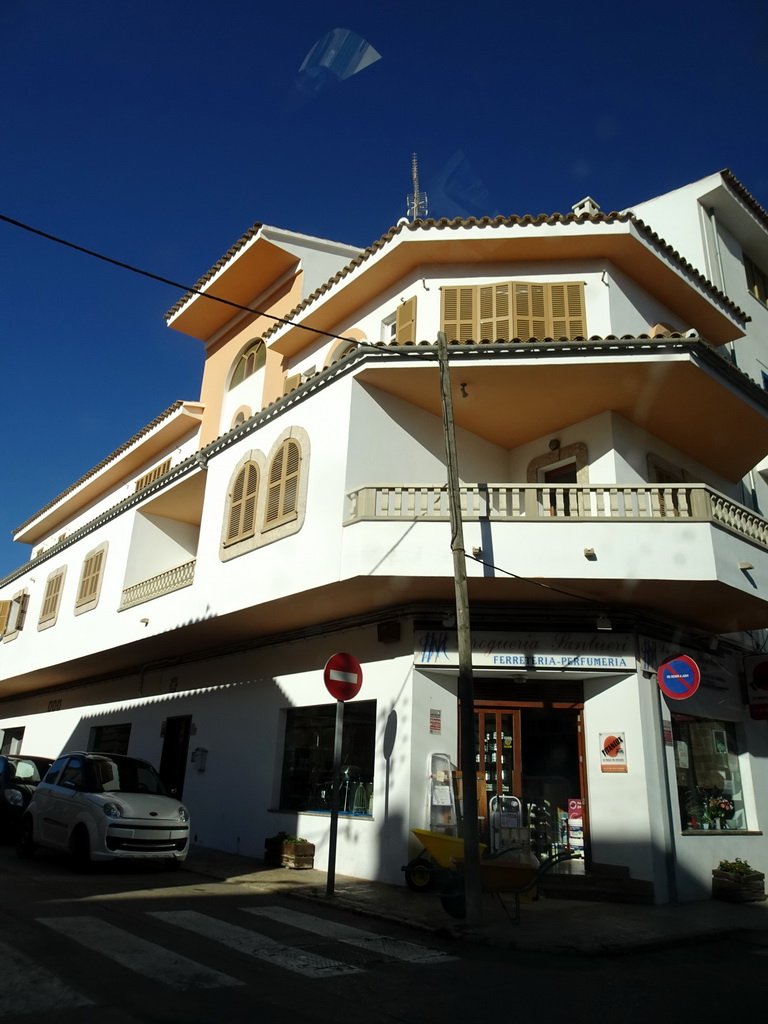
x,y
683,552
164,583
543,502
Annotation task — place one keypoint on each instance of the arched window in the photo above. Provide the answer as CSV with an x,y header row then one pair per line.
x,y
249,362
283,487
242,508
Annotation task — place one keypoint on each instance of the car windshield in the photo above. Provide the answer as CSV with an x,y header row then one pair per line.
x,y
29,770
125,775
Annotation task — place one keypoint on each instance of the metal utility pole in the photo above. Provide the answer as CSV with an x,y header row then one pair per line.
x,y
467,743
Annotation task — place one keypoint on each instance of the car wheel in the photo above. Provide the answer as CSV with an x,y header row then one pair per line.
x,y
25,845
80,849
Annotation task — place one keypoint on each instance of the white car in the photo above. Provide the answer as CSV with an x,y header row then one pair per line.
x,y
99,807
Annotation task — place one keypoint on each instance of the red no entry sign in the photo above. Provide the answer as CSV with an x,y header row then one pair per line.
x,y
679,677
343,676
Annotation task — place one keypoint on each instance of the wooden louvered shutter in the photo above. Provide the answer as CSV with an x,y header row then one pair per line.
x,y
458,314
494,312
5,614
282,493
405,322
51,597
568,315
22,612
89,581
242,511
530,311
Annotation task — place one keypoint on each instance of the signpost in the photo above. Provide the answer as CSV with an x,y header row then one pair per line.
x,y
679,677
343,678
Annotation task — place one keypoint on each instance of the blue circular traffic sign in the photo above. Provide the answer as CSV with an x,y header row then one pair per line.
x,y
679,677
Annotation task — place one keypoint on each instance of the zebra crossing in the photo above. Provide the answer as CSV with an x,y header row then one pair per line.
x,y
312,947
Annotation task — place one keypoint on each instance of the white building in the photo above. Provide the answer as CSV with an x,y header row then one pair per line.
x,y
608,375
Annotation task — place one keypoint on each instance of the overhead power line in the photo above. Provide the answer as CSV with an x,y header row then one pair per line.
x,y
166,280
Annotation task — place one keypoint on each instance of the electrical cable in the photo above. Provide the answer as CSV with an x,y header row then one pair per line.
x,y
536,583
166,280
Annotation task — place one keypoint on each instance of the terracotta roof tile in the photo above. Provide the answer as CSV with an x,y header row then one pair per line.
x,y
527,219
747,198
217,266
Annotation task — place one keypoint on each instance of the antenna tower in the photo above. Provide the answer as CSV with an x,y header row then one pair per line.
x,y
417,201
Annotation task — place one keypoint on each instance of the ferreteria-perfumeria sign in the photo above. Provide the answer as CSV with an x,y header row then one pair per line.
x,y
609,652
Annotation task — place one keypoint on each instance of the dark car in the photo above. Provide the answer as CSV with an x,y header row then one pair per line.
x,y
19,776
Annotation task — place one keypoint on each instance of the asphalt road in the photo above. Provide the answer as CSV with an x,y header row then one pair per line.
x,y
129,944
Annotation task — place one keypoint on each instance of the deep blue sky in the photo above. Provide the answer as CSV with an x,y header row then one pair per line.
x,y
158,131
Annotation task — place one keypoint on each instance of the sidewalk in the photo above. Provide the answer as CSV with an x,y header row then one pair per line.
x,y
573,927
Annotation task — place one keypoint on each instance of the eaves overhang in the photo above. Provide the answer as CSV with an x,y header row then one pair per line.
x,y
738,212
618,238
257,263
166,430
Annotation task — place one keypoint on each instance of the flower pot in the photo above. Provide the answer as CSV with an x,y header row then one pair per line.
x,y
286,852
737,887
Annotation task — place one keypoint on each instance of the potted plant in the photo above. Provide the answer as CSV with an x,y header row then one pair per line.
x,y
289,851
737,882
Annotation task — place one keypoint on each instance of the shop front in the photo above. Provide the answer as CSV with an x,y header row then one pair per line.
x,y
529,709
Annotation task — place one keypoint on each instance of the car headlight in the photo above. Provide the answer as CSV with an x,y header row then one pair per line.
x,y
113,810
183,813
14,797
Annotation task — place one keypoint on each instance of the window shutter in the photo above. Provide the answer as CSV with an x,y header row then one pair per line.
x,y
530,311
567,302
242,512
405,322
283,483
458,316
5,614
89,581
22,612
51,597
494,306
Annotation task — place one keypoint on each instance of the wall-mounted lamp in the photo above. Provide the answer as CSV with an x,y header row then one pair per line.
x,y
590,554
477,552
745,566
464,392
144,622
554,444
603,622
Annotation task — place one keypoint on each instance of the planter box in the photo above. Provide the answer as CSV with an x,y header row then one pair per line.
x,y
282,853
738,888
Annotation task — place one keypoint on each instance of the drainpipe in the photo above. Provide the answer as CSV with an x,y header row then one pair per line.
x,y
719,262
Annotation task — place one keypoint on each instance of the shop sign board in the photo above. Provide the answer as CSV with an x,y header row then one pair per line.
x,y
756,671
613,752
343,676
593,652
679,677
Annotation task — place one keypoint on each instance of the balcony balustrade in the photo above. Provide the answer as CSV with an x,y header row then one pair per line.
x,y
506,502
164,583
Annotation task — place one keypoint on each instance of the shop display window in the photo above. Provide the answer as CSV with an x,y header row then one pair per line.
x,y
708,775
307,778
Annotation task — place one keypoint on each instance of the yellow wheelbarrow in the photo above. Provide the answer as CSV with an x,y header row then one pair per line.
x,y
426,872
